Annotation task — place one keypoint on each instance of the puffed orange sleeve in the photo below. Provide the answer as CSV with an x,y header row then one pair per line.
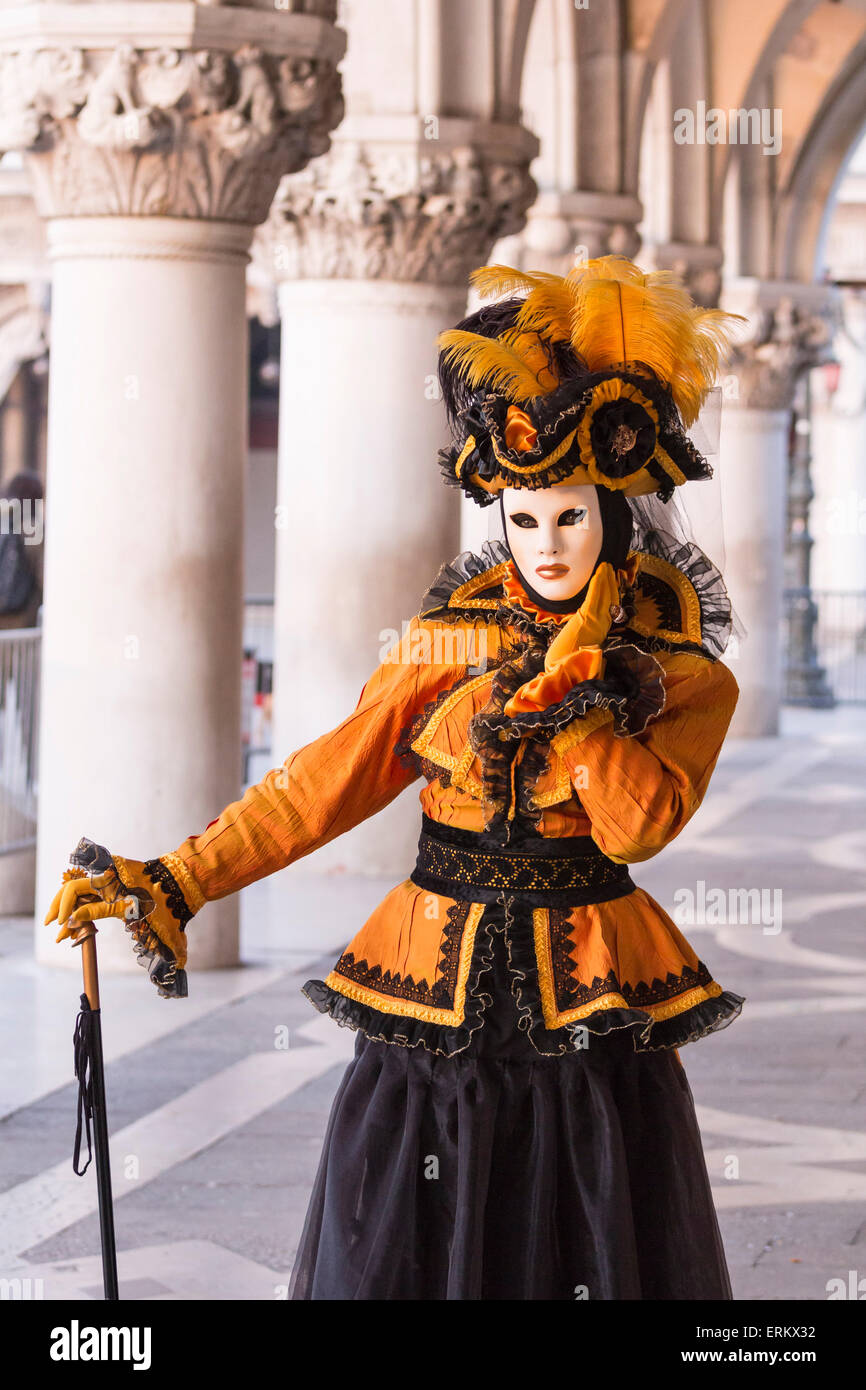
x,y
640,791
320,791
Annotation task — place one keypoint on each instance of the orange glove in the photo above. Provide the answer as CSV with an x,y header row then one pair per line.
x,y
575,653
155,900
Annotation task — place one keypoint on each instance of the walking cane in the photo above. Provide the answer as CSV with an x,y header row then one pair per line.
x,y
91,1100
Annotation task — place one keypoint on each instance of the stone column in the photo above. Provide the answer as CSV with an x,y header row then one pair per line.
x,y
372,247
788,332
152,163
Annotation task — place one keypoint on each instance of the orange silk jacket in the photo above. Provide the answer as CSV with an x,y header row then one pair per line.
x,y
529,821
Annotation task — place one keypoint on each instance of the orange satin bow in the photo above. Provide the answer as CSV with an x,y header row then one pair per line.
x,y
520,433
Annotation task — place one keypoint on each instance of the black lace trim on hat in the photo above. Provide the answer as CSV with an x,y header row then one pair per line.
x,y
554,416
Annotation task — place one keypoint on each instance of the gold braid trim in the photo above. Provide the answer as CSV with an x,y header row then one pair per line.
x,y
690,604
657,1012
562,789
460,776
422,744
662,456
553,1019
541,932
195,898
464,596
683,1001
388,1004
575,733
531,468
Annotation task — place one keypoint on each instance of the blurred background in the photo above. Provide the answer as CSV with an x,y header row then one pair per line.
x,y
229,234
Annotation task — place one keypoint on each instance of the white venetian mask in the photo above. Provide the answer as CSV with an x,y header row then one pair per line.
x,y
555,537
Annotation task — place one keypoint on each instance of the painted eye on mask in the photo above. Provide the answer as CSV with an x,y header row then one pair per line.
x,y
575,516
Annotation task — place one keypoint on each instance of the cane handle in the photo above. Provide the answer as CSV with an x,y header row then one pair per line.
x,y
85,937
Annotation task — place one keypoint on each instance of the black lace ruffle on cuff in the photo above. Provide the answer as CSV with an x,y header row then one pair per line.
x,y
170,981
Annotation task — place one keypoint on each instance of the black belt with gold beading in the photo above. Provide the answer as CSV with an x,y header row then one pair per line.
x,y
549,872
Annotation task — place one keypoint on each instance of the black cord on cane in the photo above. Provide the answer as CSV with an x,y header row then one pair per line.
x,y
82,1042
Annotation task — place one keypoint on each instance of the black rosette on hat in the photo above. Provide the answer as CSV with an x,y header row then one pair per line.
x,y
618,433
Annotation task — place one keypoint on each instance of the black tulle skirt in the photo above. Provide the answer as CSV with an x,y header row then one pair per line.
x,y
502,1174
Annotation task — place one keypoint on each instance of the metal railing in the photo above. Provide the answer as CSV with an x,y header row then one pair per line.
x,y
20,650
838,636
19,724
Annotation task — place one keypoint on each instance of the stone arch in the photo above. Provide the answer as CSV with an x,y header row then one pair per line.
x,y
806,203
791,16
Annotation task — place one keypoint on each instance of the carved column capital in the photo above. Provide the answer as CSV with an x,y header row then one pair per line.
x,y
698,265
790,330
186,111
563,229
395,204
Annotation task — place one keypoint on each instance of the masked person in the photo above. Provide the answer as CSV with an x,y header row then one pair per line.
x,y
516,1122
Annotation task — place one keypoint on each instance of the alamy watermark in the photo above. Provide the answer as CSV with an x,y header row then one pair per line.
x,y
77,1343
739,126
22,518
440,646
702,906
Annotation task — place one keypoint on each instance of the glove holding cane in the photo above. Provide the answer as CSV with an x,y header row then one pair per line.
x,y
154,899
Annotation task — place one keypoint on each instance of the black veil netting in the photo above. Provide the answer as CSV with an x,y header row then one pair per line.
x,y
663,529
